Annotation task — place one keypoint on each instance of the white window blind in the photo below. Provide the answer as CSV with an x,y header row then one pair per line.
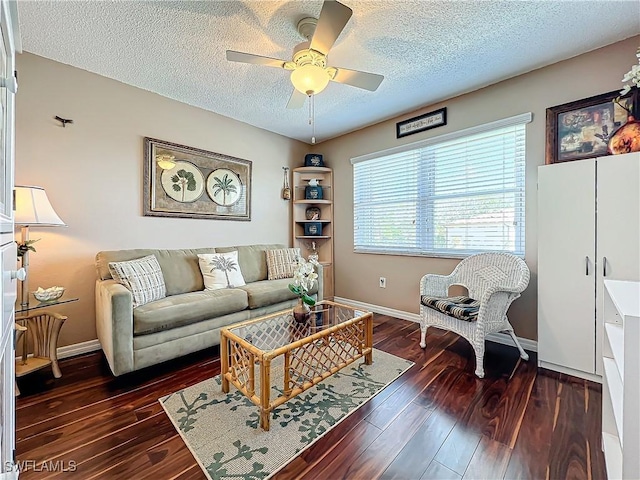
x,y
454,195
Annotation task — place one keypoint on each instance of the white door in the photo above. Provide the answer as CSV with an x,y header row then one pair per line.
x,y
566,264
618,231
7,245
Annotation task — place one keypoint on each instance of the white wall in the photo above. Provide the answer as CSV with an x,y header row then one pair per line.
x,y
357,275
92,172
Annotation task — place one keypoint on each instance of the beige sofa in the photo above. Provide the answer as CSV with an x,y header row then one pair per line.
x,y
189,318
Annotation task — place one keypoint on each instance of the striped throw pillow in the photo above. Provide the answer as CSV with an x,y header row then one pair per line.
x,y
282,262
142,277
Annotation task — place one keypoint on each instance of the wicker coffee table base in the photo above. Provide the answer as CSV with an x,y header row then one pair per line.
x,y
309,357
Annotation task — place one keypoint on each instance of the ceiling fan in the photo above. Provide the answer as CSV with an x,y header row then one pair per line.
x,y
309,71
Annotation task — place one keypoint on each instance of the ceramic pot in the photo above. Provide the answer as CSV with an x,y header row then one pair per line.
x,y
626,139
301,312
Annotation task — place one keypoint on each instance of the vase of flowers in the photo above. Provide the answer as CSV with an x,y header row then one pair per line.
x,y
626,139
304,277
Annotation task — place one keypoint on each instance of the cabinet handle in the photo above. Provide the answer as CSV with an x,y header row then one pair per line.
x,y
604,266
586,265
19,274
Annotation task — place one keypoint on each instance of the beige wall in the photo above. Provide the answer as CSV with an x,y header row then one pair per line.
x,y
357,275
92,171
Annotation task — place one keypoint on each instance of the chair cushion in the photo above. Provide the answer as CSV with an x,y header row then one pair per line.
x,y
462,308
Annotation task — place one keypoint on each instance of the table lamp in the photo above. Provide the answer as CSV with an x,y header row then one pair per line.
x,y
33,209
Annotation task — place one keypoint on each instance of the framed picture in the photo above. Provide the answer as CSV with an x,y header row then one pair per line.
x,y
581,129
424,122
181,181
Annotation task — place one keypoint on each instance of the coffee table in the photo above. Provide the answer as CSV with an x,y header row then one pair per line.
x,y
290,356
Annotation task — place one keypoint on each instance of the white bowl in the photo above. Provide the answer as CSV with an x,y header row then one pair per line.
x,y
46,295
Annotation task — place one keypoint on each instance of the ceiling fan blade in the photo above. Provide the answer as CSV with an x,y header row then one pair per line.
x,y
333,18
297,99
234,56
355,78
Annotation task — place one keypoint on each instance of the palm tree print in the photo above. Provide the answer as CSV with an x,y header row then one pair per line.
x,y
183,181
225,186
224,264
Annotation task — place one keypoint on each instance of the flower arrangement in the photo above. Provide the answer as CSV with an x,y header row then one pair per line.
x,y
304,277
26,247
632,77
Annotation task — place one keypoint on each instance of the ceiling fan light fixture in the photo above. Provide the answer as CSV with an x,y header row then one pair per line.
x,y
310,79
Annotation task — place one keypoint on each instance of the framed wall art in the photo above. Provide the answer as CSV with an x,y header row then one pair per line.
x,y
424,122
582,129
181,181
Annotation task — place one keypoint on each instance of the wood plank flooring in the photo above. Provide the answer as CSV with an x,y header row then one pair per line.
x,y
437,421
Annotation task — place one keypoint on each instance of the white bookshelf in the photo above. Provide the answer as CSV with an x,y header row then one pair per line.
x,y
621,380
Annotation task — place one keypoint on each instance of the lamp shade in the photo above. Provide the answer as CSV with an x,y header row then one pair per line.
x,y
310,79
33,208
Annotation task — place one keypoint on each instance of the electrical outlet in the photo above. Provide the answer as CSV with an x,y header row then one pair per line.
x,y
383,282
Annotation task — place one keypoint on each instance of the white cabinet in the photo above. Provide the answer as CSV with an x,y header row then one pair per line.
x,y
8,283
621,381
588,230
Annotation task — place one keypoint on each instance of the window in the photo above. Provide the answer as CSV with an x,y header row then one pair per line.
x,y
453,195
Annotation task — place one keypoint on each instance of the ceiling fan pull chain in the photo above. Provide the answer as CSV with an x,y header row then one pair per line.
x,y
312,120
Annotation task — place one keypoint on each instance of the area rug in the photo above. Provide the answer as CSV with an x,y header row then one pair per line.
x,y
222,430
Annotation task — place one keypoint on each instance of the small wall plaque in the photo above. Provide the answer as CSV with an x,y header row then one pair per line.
x,y
424,122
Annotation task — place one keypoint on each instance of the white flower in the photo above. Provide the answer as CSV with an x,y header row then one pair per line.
x,y
632,77
304,275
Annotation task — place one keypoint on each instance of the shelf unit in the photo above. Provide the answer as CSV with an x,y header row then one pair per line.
x,y
324,242
621,381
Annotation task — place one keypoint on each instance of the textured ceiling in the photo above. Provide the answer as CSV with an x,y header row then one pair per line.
x,y
428,51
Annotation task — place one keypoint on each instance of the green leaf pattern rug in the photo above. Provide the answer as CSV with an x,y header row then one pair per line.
x,y
222,430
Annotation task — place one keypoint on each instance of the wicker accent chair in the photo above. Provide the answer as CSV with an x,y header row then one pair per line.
x,y
494,280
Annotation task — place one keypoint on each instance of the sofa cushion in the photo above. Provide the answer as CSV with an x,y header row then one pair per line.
x,y
281,262
220,270
179,310
179,267
268,292
142,277
252,260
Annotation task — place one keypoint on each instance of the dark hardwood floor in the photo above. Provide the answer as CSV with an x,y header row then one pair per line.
x,y
437,421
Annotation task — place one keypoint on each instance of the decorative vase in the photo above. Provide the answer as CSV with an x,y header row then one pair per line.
x,y
626,139
301,312
312,213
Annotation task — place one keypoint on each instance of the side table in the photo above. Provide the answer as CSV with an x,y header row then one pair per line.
x,y
39,330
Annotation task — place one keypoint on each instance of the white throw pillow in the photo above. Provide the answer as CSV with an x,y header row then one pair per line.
x,y
142,277
282,262
220,270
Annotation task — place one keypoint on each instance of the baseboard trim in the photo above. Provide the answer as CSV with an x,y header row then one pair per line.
x,y
392,312
74,349
570,371
501,338
78,348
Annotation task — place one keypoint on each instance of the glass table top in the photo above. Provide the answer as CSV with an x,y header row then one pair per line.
x,y
280,329
35,304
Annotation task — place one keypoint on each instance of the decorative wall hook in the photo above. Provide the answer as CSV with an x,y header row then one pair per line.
x,y
64,121
286,191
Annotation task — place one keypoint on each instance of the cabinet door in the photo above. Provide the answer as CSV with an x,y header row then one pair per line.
x,y
618,231
566,264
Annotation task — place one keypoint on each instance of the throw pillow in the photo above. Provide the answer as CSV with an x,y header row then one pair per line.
x,y
142,277
282,262
220,270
